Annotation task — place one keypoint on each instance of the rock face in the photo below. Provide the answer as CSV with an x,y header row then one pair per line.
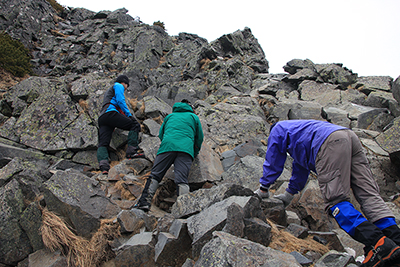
x,y
48,142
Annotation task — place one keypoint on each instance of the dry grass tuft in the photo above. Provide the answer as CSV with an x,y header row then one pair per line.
x,y
204,63
142,108
125,193
57,235
133,102
158,119
286,242
84,105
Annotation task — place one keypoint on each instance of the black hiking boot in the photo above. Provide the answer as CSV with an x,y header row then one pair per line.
x,y
384,253
132,152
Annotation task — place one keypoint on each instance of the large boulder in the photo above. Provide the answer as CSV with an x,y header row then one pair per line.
x,y
226,249
79,199
388,140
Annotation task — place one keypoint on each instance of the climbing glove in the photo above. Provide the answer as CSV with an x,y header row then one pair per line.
x,y
285,197
262,194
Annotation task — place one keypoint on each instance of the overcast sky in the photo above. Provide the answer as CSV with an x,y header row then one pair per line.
x,y
363,35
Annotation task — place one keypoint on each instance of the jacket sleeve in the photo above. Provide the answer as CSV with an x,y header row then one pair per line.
x,y
298,179
198,139
162,128
274,161
120,98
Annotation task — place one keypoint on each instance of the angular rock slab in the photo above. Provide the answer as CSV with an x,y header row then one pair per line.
x,y
229,250
389,141
246,172
14,242
194,202
206,167
211,219
79,199
137,251
174,247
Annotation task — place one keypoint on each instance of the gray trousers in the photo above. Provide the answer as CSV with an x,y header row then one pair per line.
x,y
342,166
182,163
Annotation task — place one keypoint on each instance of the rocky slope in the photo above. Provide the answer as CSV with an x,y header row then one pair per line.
x,y
48,139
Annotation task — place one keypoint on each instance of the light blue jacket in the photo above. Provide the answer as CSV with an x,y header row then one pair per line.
x,y
114,100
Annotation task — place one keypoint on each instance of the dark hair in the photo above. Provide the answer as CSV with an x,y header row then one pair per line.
x,y
188,102
122,79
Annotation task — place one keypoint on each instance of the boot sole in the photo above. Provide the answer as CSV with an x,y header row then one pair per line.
x,y
389,260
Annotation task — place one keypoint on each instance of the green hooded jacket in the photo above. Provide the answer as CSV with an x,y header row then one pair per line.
x,y
181,131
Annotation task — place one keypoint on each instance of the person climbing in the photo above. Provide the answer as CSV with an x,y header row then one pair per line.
x,y
181,138
335,153
115,114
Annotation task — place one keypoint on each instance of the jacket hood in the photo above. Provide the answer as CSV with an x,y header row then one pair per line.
x,y
181,107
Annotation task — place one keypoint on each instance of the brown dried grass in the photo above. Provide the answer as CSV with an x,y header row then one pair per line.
x,y
125,193
84,105
57,235
286,242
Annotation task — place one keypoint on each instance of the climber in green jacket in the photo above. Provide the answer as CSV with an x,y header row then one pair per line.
x,y
181,138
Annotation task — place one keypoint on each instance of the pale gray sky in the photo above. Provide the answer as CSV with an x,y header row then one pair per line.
x,y
364,35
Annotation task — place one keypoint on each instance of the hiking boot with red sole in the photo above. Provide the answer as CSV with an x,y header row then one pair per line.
x,y
384,253
135,156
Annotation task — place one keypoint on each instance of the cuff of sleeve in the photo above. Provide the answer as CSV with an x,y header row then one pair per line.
x,y
291,191
264,188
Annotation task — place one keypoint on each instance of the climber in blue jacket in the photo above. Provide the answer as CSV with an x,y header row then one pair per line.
x,y
115,114
335,153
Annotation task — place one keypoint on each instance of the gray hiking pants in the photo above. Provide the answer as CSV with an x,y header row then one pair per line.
x,y
342,166
182,163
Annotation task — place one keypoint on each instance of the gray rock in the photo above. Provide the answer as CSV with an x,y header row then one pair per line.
x,y
396,89
206,167
246,172
258,231
138,250
228,158
274,210
301,259
194,202
155,107
79,199
365,119
348,242
336,116
368,84
129,222
226,249
388,140
234,222
14,245
379,99
297,230
317,218
213,218
150,147
292,217
372,146
325,94
174,247
336,74
334,258
298,64
305,110
45,258
331,239
152,126
31,221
